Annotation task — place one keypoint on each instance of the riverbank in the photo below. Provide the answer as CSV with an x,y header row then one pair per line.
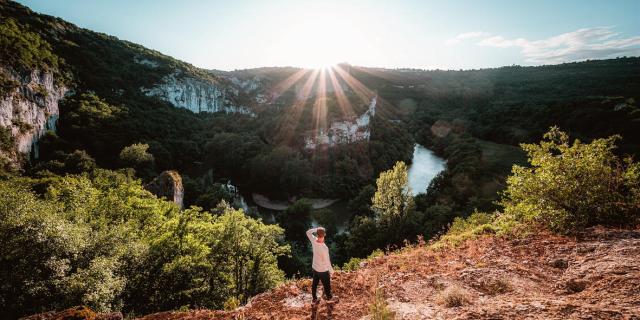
x,y
267,203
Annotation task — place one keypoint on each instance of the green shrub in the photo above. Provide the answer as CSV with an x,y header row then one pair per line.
x,y
22,126
462,229
24,49
572,186
379,309
232,303
352,265
6,84
99,239
6,139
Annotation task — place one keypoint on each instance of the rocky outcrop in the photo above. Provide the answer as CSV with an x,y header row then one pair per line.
x,y
196,94
341,132
168,185
27,110
489,277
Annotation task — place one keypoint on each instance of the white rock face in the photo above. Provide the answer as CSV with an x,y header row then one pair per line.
x,y
146,62
29,110
347,131
196,95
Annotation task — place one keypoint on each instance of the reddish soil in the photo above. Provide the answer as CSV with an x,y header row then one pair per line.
x,y
540,277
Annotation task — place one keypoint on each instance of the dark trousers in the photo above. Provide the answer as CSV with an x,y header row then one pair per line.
x,y
326,284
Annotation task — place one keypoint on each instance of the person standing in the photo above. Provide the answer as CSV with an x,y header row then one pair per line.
x,y
321,264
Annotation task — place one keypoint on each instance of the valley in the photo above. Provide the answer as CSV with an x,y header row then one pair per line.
x,y
135,183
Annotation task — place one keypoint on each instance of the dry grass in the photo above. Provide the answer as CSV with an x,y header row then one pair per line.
x,y
574,286
453,296
379,309
495,286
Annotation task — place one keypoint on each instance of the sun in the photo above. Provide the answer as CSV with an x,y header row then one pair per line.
x,y
316,38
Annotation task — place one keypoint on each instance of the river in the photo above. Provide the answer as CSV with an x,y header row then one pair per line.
x,y
426,165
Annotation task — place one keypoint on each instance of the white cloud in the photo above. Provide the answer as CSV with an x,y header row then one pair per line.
x,y
587,43
466,36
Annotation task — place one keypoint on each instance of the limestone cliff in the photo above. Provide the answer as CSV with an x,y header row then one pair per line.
x,y
346,131
196,94
28,108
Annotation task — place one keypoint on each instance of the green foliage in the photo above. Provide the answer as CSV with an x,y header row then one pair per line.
x,y
389,143
395,219
295,220
379,309
231,303
79,161
7,84
72,246
101,240
136,155
25,50
23,127
361,204
205,259
393,198
211,198
6,139
282,169
463,229
354,263
572,186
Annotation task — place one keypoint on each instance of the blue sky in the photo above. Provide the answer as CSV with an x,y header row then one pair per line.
x,y
450,34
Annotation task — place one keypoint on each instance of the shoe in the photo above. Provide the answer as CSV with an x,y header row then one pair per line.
x,y
333,299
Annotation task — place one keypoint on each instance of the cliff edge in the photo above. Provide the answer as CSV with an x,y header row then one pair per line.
x,y
543,276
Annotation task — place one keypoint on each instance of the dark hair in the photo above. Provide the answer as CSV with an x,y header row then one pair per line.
x,y
321,232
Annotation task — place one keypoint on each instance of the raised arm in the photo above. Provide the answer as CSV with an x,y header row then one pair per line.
x,y
310,235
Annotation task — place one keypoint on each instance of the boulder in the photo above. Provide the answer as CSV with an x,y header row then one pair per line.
x,y
168,185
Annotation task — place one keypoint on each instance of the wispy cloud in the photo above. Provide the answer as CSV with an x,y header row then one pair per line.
x,y
466,36
587,43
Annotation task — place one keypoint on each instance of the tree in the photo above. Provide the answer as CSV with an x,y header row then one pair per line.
x,y
572,186
101,240
393,198
79,161
296,219
136,155
361,204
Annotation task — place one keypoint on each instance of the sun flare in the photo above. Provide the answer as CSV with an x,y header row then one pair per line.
x,y
320,36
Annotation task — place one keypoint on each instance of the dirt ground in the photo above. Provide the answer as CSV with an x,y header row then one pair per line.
x,y
596,276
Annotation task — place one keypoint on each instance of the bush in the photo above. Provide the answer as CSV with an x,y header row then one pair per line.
x,y
354,263
101,240
6,139
379,309
463,229
453,296
25,50
136,155
572,186
494,286
231,303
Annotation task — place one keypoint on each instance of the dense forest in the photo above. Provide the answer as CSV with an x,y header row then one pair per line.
x,y
78,227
